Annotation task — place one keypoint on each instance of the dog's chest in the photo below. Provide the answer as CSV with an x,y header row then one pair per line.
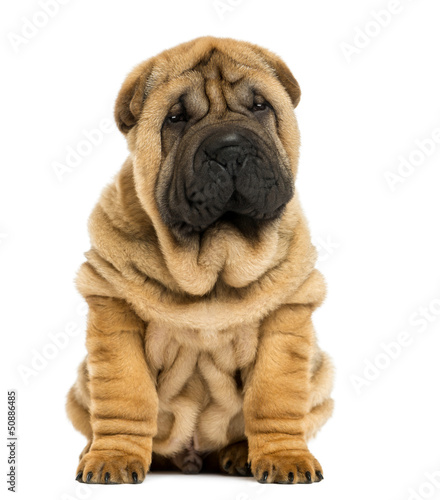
x,y
231,349
199,391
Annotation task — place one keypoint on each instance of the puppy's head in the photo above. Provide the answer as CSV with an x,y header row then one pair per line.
x,y
213,135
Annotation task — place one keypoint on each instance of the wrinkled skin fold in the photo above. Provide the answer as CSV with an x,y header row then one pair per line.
x,y
201,280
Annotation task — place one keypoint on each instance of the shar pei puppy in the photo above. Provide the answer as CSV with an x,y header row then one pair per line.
x,y
201,280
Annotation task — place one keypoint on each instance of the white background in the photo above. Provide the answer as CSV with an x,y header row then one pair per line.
x,y
358,119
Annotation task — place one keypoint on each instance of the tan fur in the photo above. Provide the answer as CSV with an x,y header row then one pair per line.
x,y
173,327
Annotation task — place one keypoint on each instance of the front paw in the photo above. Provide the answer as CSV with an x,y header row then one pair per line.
x,y
287,467
111,467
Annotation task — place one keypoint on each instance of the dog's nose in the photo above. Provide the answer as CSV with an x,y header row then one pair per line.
x,y
229,149
221,140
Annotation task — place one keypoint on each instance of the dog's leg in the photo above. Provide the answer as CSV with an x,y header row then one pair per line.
x,y
233,459
123,399
78,404
278,399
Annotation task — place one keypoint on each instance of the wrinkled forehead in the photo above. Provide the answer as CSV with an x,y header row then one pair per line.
x,y
214,64
213,80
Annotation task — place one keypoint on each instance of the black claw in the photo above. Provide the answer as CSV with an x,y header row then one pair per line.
x,y
107,477
319,474
309,477
290,477
135,477
265,476
246,470
228,465
79,476
89,476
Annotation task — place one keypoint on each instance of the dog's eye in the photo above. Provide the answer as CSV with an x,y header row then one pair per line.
x,y
259,106
176,118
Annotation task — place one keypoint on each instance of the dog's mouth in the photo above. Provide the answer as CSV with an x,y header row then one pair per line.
x,y
248,226
232,177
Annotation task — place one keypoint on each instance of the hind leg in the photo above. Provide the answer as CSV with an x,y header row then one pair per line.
x,y
78,400
161,463
321,404
233,459
86,449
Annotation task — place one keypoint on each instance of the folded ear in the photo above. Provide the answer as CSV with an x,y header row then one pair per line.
x,y
288,80
131,97
283,74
